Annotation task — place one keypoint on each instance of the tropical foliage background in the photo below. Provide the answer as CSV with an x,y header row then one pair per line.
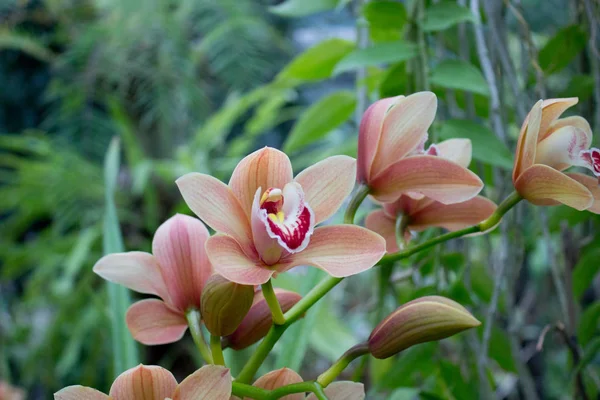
x,y
194,85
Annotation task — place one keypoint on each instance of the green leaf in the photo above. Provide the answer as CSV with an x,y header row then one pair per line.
x,y
415,361
302,8
25,43
487,148
460,75
589,324
395,81
320,118
561,49
123,347
404,393
328,345
377,54
316,63
385,14
589,353
585,271
499,350
445,15
581,86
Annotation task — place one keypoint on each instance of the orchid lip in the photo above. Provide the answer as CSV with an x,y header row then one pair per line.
x,y
591,159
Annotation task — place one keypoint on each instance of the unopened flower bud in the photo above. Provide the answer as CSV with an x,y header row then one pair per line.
x,y
224,305
422,320
257,322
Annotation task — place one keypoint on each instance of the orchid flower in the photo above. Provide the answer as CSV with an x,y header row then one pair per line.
x,y
266,219
175,272
547,146
390,161
423,212
343,390
211,382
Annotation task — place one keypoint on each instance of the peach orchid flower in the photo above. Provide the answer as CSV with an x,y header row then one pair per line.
x,y
390,157
211,382
176,272
423,212
343,390
266,218
547,146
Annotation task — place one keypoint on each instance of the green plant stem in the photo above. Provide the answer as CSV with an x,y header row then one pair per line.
x,y
193,320
401,225
340,365
483,226
271,298
242,389
217,350
359,196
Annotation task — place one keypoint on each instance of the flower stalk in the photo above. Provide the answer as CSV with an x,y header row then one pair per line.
x,y
271,298
342,363
217,350
193,318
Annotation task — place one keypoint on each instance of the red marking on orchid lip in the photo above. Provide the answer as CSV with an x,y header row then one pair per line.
x,y
592,157
293,236
432,151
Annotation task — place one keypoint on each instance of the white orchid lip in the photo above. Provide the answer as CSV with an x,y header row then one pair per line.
x,y
591,160
287,217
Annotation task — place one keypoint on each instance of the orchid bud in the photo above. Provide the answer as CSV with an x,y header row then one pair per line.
x,y
257,322
224,305
422,320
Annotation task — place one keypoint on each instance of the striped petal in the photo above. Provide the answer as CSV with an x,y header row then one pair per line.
x,y
379,222
452,216
343,390
593,185
551,110
542,185
144,382
152,322
457,150
265,168
528,138
211,382
434,177
78,392
562,148
327,184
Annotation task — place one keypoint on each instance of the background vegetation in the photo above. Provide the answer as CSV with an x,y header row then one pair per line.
x,y
194,85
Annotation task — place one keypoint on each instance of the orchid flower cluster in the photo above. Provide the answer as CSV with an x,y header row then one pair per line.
x,y
267,221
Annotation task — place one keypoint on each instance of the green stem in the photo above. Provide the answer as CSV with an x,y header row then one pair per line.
x,y
193,320
422,44
359,196
340,365
484,226
401,225
217,351
271,298
242,389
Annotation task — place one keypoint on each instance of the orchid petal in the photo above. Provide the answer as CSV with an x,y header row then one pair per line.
x,y
575,121
344,390
340,250
379,222
211,382
435,177
593,186
216,205
561,149
457,150
78,392
369,135
404,128
279,378
528,138
178,245
326,185
452,216
265,168
144,382
541,184
152,322
135,270
551,110
232,263
267,247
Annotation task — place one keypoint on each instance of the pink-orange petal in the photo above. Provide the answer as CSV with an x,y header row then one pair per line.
x,y
178,245
457,150
528,138
231,262
148,382
151,322
216,205
369,134
340,250
453,216
326,185
541,184
265,168
551,110
404,129
344,390
593,186
435,177
78,392
279,378
135,270
562,148
211,382
382,224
